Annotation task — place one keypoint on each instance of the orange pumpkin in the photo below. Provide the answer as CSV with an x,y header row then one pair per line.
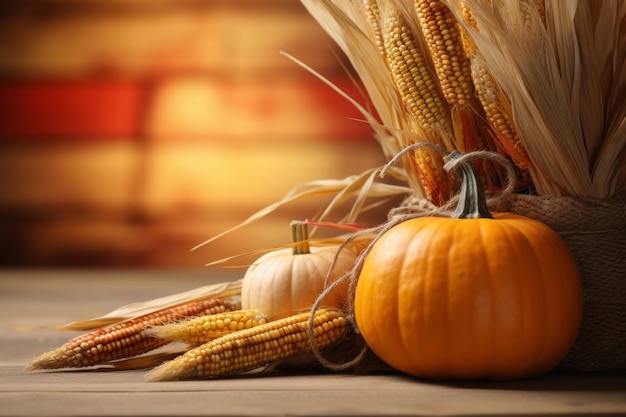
x,y
465,298
285,281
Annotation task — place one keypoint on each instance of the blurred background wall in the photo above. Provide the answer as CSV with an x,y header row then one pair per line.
x,y
130,131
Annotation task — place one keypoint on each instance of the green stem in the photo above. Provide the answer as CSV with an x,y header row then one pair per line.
x,y
472,200
300,237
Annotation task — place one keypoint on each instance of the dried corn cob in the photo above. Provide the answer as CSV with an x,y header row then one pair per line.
x,y
199,330
539,5
123,340
452,67
420,94
409,69
253,348
497,111
443,39
372,13
468,43
429,165
493,100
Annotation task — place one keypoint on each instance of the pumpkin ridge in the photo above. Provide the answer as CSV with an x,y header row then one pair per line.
x,y
513,240
476,286
553,319
434,353
543,343
544,267
490,331
446,353
296,264
439,351
400,306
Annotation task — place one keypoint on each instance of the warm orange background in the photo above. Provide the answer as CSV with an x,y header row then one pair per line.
x,y
130,131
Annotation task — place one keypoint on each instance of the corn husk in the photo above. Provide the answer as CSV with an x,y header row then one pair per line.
x,y
560,64
563,71
226,290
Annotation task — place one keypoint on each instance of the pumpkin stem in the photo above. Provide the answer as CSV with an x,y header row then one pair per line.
x,y
300,237
472,200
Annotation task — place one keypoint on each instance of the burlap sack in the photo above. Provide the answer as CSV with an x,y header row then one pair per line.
x,y
595,232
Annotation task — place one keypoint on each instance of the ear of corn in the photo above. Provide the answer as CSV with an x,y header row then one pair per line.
x,y
199,330
410,71
494,102
442,35
498,113
256,347
124,340
429,165
228,291
419,92
466,40
372,13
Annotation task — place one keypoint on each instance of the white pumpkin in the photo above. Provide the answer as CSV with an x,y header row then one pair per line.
x,y
285,281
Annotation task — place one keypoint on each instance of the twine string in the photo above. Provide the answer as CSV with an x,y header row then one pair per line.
x,y
413,207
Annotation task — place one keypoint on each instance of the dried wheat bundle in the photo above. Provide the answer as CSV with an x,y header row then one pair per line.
x,y
562,66
541,81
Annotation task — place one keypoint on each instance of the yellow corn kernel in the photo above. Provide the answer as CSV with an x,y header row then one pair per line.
x,y
199,330
443,38
409,70
468,43
525,12
467,16
498,113
123,340
372,13
253,348
429,165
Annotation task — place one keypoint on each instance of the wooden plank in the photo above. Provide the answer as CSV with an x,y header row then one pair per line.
x,y
43,298
125,393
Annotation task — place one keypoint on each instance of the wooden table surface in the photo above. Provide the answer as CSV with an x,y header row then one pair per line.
x,y
33,302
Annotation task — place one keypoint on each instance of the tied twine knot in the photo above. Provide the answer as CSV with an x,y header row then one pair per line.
x,y
417,205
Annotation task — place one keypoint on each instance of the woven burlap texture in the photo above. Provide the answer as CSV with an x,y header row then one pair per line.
x,y
595,232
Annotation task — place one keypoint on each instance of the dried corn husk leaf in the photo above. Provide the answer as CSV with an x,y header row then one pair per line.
x,y
360,187
225,290
562,68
